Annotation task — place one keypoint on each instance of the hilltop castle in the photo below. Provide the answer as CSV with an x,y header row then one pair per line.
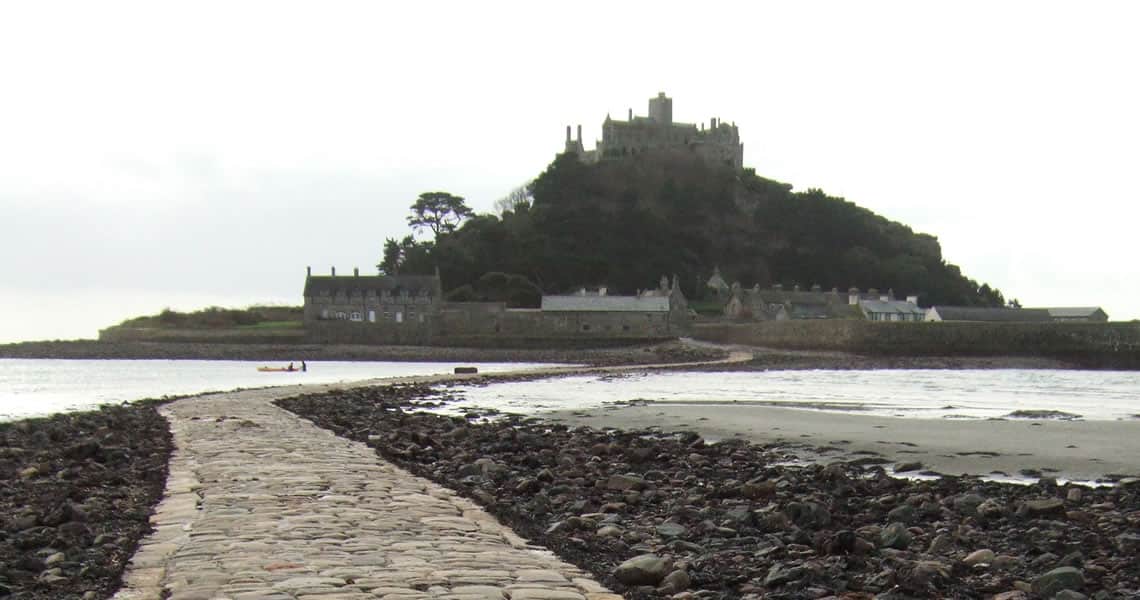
x,y
719,143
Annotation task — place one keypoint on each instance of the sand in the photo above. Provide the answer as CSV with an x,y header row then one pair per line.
x,y
1073,450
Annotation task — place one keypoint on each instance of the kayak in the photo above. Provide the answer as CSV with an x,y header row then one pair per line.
x,y
278,370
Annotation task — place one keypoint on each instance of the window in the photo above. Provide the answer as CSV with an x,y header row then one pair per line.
x,y
340,315
324,313
625,327
399,316
371,316
355,316
585,326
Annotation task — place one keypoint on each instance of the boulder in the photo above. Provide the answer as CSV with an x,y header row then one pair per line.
x,y
646,569
1057,580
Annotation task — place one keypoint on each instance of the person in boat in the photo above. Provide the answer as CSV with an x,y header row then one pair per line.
x,y
291,367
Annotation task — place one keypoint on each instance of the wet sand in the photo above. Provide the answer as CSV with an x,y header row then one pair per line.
x,y
1077,450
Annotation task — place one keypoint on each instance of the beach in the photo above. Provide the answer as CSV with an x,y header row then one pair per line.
x,y
1009,448
750,501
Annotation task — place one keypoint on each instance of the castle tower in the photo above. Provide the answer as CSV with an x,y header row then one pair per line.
x,y
661,109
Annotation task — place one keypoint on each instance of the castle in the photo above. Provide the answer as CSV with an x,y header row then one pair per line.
x,y
719,143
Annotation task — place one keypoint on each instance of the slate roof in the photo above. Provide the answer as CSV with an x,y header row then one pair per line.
x,y
414,284
891,307
605,304
1074,312
1003,315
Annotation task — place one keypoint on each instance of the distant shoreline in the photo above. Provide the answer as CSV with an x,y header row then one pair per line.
x,y
675,351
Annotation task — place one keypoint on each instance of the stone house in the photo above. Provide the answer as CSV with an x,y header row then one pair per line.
x,y
659,313
778,304
371,308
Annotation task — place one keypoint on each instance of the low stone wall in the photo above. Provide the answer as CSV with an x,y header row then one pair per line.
x,y
1094,345
203,336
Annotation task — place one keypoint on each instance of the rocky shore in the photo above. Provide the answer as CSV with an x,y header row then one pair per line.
x,y
659,515
77,493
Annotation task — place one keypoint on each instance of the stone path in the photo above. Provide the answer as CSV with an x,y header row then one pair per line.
x,y
263,504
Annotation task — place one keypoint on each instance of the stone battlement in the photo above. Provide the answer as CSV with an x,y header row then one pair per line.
x,y
720,142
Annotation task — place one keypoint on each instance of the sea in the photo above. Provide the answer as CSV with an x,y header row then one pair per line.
x,y
38,387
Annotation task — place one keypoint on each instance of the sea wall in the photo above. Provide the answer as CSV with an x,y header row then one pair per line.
x,y
1093,345
229,335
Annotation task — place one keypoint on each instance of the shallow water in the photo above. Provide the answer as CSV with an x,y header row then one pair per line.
x,y
37,387
939,394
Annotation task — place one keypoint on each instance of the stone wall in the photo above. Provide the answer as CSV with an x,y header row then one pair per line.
x,y
1093,345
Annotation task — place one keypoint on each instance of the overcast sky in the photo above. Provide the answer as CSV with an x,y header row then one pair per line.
x,y
160,154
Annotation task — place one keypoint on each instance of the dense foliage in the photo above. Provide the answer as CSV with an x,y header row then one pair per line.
x,y
217,317
624,224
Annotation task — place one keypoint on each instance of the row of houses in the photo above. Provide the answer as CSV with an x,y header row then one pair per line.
x,y
410,309
778,304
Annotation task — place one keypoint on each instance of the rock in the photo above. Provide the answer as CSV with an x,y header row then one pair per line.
x,y
810,515
1069,595
967,504
903,514
1040,508
754,490
907,467
625,482
780,574
1053,582
978,557
646,569
990,509
670,530
609,531
896,536
1074,494
675,582
1128,543
55,559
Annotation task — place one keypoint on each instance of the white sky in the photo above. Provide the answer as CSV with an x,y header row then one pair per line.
x,y
160,154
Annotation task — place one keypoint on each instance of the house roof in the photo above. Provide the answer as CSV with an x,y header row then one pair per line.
x,y
1073,312
1007,315
605,303
891,307
414,284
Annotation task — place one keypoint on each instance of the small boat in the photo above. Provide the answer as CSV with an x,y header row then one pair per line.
x,y
278,370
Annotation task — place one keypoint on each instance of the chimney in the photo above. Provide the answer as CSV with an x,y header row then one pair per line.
x,y
602,291
567,134
356,271
579,134
853,296
912,299
308,272
630,114
582,292
334,271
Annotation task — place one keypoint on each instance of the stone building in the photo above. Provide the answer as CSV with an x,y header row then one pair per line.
x,y
719,143
371,308
780,304
409,309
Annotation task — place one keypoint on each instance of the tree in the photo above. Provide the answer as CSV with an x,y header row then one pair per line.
x,y
395,254
440,212
515,200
